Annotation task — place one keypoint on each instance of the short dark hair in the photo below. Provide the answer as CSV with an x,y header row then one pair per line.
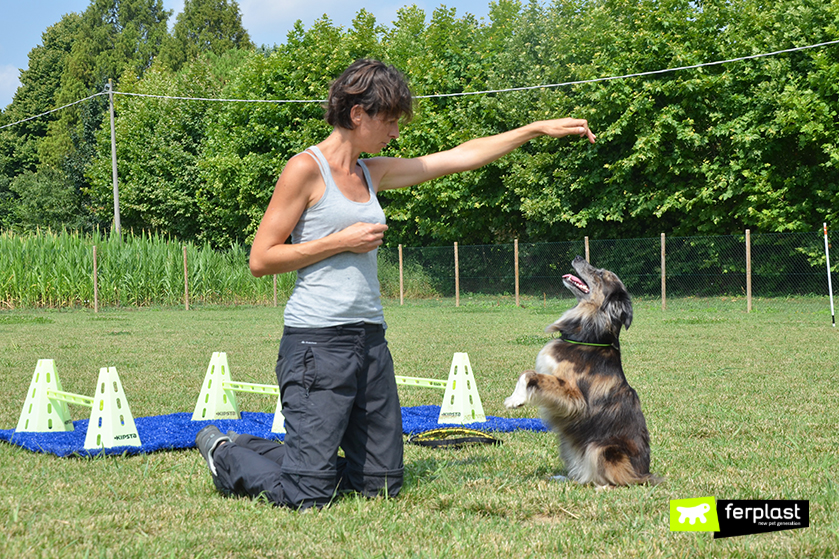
x,y
373,85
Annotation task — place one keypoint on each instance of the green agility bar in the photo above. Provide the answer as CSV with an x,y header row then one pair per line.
x,y
252,388
70,398
427,382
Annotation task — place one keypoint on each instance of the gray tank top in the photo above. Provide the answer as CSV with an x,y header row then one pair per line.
x,y
344,288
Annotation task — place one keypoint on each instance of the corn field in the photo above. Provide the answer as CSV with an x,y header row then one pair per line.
x,y
51,269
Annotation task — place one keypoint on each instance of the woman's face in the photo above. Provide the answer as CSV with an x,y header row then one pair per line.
x,y
376,131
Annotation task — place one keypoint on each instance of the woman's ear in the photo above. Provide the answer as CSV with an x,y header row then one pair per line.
x,y
355,114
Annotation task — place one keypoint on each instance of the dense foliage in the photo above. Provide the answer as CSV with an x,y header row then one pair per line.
x,y
711,150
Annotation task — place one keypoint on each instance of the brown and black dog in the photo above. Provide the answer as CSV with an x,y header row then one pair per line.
x,y
580,387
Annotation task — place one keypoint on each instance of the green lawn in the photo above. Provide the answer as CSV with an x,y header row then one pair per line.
x,y
740,406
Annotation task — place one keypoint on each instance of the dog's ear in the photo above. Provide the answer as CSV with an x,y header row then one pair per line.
x,y
553,327
619,308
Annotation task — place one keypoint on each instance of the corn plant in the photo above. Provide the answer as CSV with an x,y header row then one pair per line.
x,y
55,269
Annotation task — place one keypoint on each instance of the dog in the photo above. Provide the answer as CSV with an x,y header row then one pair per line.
x,y
581,390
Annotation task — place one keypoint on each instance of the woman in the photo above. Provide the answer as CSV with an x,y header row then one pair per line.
x,y
334,368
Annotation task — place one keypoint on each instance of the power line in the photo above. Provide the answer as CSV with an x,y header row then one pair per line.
x,y
459,94
626,76
220,100
54,110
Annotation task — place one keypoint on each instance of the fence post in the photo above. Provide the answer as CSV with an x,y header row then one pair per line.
x,y
95,282
663,276
186,282
516,258
829,278
401,282
587,254
748,271
456,278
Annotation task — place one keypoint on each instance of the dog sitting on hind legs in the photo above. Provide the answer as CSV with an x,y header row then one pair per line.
x,y
581,390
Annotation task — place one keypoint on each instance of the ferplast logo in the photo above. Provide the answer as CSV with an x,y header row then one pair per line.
x,y
728,519
694,515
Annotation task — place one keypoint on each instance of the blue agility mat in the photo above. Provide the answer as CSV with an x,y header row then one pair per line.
x,y
177,431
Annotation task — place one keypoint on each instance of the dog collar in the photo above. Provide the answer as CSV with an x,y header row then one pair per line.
x,y
586,343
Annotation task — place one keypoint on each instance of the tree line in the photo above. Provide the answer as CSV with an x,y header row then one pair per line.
x,y
709,150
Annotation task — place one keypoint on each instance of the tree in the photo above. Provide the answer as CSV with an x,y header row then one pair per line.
x,y
451,55
115,39
22,144
249,143
711,150
38,93
46,199
159,144
647,126
204,26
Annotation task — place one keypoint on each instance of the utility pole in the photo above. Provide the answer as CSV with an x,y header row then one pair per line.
x,y
114,159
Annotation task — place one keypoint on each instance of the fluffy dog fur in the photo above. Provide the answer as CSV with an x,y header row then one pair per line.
x,y
580,387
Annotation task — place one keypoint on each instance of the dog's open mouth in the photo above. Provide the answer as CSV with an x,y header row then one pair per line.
x,y
576,282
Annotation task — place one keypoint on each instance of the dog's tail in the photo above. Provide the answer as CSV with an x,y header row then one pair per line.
x,y
615,467
650,479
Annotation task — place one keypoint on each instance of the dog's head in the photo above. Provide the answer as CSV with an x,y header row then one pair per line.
x,y
603,305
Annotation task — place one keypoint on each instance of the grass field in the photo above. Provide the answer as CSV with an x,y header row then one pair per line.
x,y
739,406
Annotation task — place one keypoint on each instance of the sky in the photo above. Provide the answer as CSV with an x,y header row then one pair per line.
x,y
267,21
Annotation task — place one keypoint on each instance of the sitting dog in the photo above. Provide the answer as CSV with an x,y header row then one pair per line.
x,y
580,387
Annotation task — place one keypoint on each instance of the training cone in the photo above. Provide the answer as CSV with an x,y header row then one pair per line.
x,y
214,402
461,403
278,426
111,423
40,414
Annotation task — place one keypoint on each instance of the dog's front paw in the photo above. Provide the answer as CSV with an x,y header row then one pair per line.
x,y
519,396
513,402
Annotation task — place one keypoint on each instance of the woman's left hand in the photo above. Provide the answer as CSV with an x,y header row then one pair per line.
x,y
561,127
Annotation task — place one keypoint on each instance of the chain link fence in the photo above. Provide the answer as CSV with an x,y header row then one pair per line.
x,y
761,265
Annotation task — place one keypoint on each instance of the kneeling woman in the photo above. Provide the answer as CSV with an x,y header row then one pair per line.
x,y
334,368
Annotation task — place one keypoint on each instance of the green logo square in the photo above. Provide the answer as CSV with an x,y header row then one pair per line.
x,y
694,515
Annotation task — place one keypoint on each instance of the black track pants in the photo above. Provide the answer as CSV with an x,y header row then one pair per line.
x,y
338,390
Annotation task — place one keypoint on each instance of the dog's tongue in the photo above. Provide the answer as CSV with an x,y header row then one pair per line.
x,y
577,282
